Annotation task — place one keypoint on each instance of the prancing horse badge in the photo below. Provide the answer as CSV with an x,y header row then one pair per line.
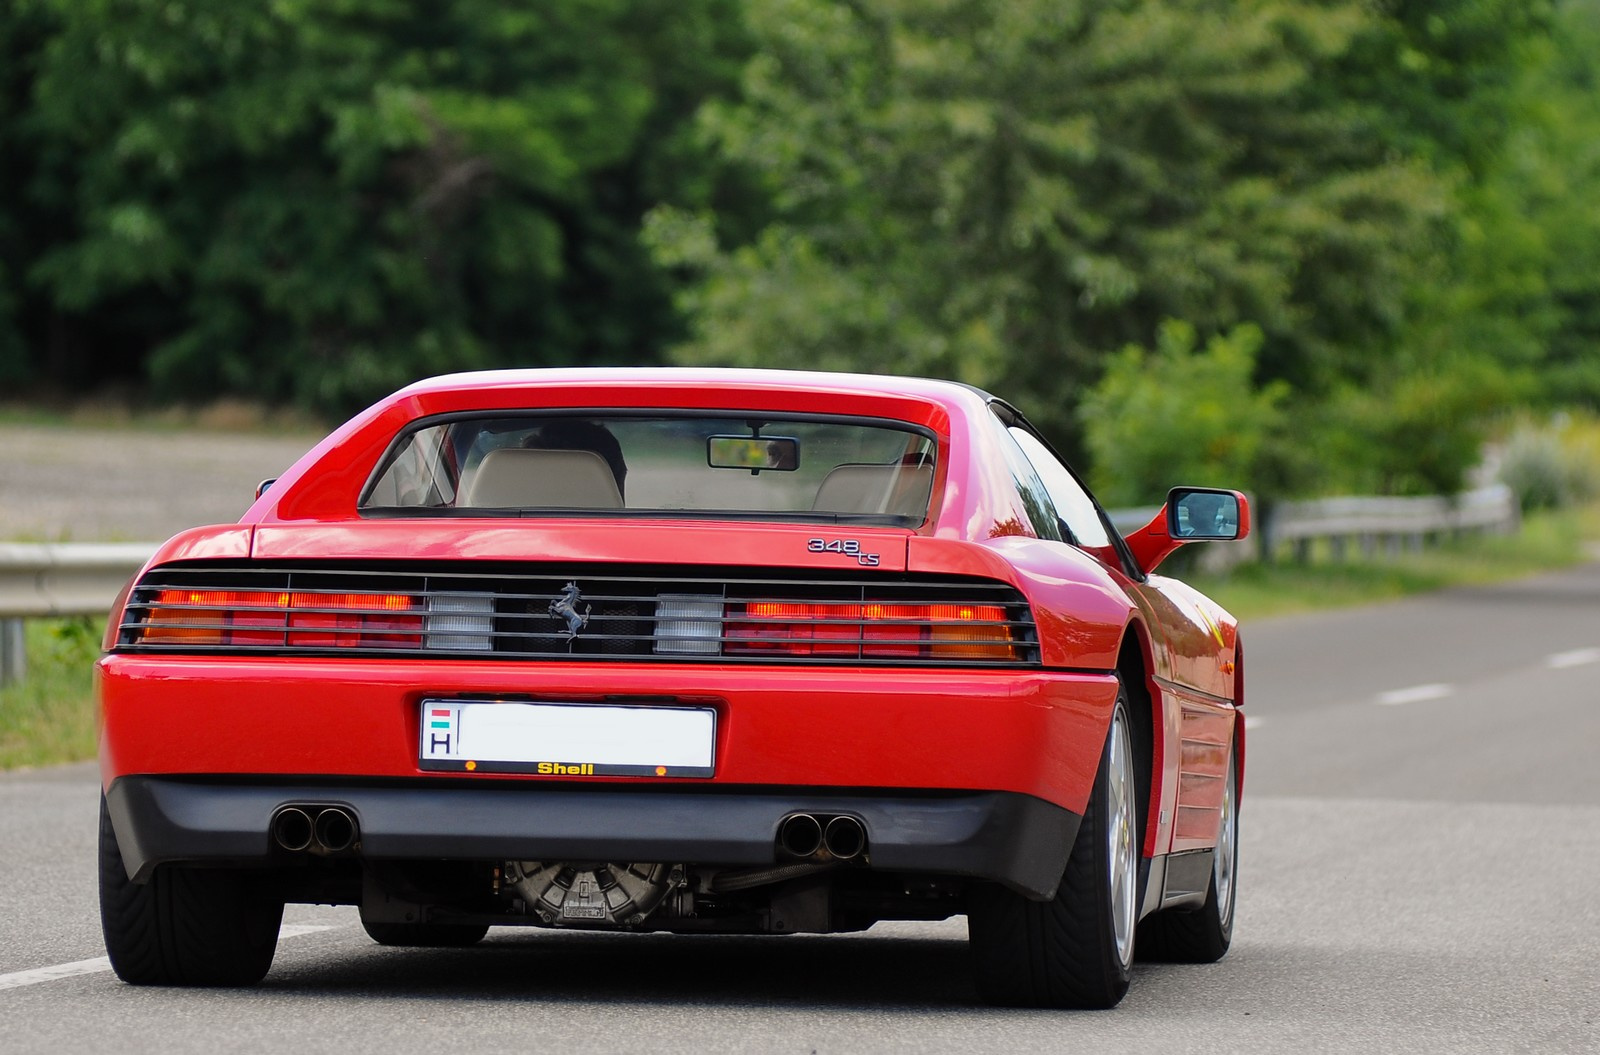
x,y
566,607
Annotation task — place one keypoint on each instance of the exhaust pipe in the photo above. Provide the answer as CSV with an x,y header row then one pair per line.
x,y
335,829
800,835
844,838
291,828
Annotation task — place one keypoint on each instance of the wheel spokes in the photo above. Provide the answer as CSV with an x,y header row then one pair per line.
x,y
1121,853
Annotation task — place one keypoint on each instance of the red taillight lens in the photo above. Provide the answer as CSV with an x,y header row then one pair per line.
x,y
875,630
210,617
794,629
275,617
328,620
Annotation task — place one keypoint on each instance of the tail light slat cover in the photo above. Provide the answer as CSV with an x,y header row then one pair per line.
x,y
572,612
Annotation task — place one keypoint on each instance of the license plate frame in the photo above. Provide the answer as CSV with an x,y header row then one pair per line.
x,y
566,739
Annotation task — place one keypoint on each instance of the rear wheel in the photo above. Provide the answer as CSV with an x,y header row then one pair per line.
x,y
426,935
1202,935
1075,950
186,926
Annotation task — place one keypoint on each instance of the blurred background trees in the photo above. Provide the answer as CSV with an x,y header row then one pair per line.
x,y
1299,245
319,200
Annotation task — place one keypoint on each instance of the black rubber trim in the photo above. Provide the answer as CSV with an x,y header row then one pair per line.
x,y
1011,838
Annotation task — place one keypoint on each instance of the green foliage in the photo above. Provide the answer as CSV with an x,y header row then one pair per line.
x,y
1548,178
1009,192
318,201
1437,77
1418,431
22,32
1182,415
50,717
1555,464
321,201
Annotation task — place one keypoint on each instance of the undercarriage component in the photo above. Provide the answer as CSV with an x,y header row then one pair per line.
x,y
728,882
564,893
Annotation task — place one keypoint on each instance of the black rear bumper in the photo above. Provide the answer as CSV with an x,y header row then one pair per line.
x,y
1014,839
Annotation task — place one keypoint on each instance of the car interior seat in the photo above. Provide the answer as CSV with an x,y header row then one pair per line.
x,y
517,476
895,489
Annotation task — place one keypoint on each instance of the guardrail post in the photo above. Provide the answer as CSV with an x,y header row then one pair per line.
x,y
13,652
1266,532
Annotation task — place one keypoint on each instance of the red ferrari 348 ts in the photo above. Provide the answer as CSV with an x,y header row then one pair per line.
x,y
690,650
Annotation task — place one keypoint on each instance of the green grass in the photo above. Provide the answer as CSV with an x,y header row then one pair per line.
x,y
1547,541
50,716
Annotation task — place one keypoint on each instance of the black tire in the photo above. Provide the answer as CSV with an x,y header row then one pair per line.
x,y
1202,935
426,935
1074,951
186,926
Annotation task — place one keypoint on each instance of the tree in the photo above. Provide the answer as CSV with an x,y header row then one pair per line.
x,y
322,200
1183,415
23,29
1010,192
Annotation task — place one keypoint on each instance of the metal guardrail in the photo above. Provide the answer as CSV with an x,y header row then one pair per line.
x,y
69,579
58,579
1371,526
1387,525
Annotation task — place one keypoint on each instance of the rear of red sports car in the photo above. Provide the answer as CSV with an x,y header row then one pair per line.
x,y
644,650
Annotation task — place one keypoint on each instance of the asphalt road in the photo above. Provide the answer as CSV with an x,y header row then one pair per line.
x,y
1421,832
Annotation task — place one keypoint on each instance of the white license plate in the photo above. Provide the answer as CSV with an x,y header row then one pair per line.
x,y
567,739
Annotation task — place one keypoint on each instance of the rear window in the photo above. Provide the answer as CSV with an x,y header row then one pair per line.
x,y
733,465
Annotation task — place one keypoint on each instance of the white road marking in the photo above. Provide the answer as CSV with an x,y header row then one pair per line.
x,y
49,974
1578,657
295,930
18,979
1252,721
1415,694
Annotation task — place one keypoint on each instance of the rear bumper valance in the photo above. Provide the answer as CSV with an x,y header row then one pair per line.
x,y
1011,838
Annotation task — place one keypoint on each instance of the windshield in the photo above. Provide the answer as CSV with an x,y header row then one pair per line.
x,y
739,465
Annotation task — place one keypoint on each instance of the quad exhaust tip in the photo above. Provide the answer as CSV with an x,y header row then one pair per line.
x,y
335,830
317,829
806,836
292,828
844,838
800,835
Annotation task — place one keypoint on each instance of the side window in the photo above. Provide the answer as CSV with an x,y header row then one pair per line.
x,y
1071,500
1035,496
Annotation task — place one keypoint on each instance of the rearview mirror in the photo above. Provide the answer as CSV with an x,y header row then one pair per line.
x,y
781,453
1200,514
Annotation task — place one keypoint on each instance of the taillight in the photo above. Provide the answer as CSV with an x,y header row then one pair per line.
x,y
328,620
208,617
874,630
279,617
795,629
969,631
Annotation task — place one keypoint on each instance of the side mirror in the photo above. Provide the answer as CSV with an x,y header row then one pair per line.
x,y
261,488
1202,514
1192,514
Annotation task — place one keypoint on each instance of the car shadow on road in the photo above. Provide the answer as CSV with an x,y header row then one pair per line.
x,y
876,972
881,973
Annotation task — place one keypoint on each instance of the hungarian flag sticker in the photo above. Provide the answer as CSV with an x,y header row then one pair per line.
x,y
441,730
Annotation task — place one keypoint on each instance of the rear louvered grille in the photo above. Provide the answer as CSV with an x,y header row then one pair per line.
x,y
722,618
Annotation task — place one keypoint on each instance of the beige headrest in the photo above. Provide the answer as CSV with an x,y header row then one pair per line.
x,y
901,490
516,477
